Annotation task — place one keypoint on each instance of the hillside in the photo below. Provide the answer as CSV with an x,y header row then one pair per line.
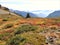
x,y
6,13
54,14
16,30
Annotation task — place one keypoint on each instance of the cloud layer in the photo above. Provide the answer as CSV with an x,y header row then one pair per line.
x,y
30,5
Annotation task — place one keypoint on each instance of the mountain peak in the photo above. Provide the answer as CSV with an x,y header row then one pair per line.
x,y
54,14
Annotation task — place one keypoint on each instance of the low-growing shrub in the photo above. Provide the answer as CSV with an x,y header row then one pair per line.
x,y
5,19
8,26
53,28
4,36
1,36
25,28
16,40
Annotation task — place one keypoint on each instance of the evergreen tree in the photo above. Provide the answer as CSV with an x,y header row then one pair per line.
x,y
28,15
0,6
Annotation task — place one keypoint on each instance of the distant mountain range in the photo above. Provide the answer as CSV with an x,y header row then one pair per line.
x,y
23,13
54,14
50,15
32,14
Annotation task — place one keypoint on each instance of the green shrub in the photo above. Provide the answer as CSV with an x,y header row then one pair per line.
x,y
5,19
3,35
16,40
53,28
25,28
8,26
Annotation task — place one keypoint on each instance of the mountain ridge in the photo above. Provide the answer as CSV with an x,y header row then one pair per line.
x,y
23,13
54,14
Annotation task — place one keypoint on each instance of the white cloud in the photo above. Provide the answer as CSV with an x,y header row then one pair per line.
x,y
8,0
30,5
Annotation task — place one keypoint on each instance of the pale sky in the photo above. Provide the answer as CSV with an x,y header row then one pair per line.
x,y
31,5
